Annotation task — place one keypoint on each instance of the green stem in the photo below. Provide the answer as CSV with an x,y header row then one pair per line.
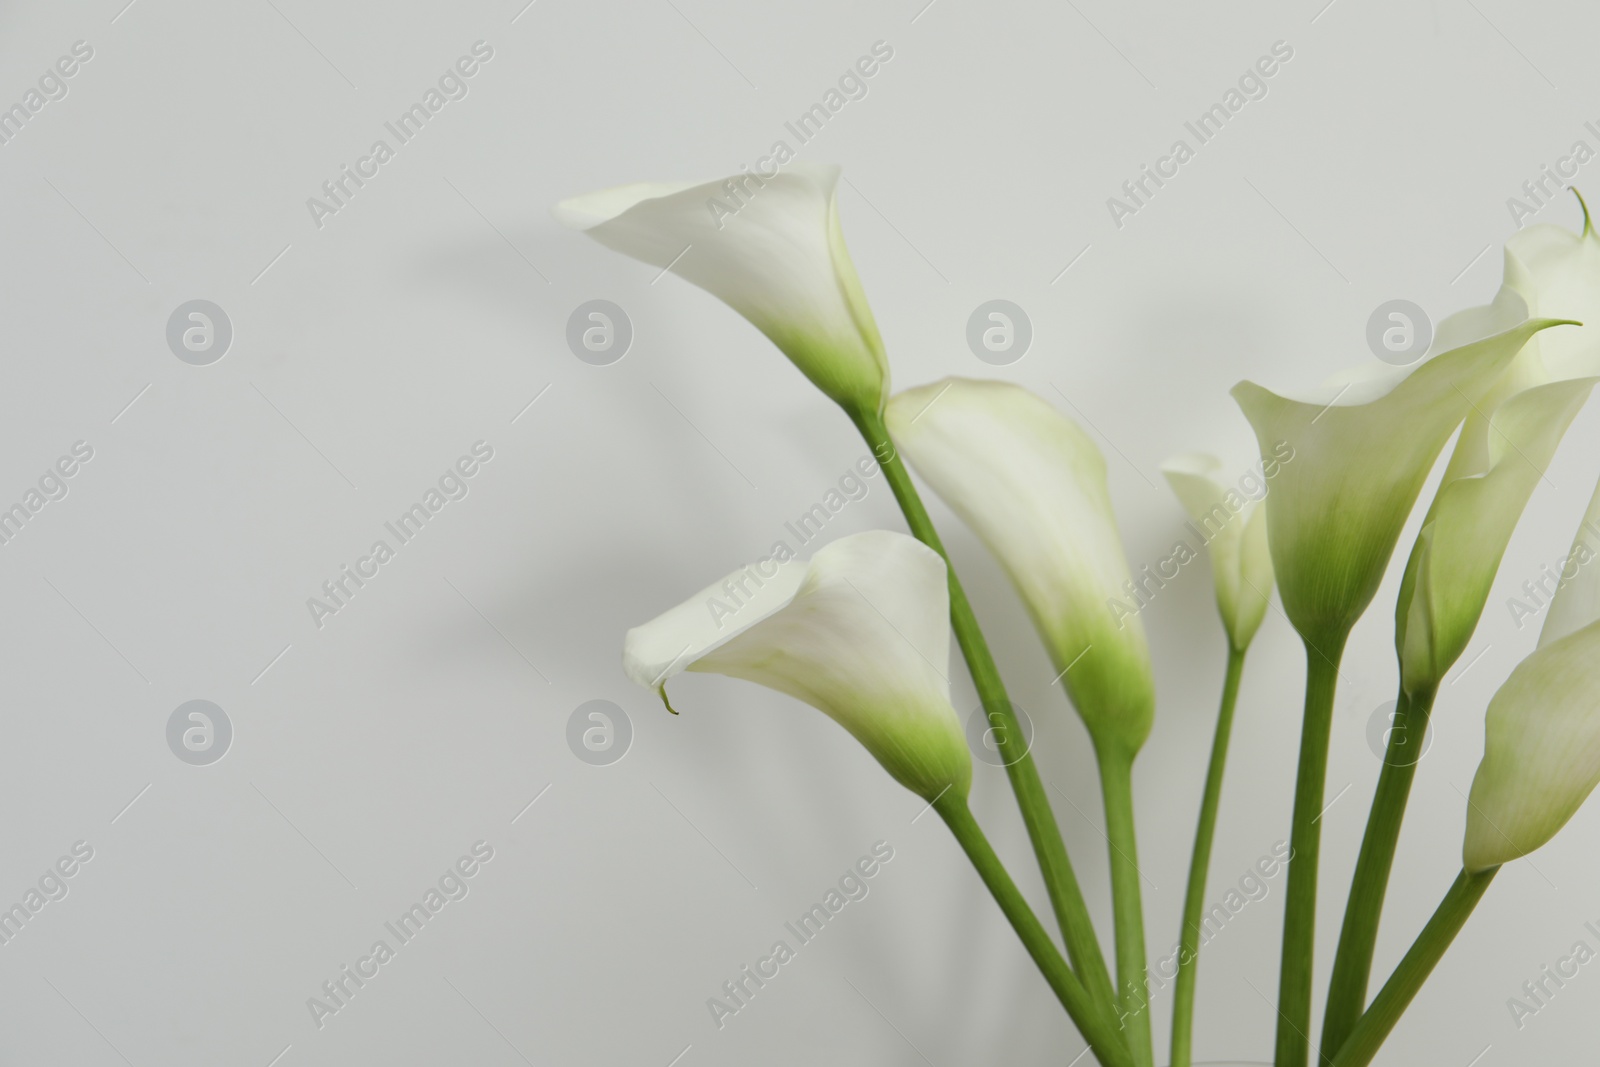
x,y
1305,840
1352,966
1066,898
1116,780
1194,900
1097,1029
1395,996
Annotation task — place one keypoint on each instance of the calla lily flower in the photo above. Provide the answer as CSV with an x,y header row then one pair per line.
x,y
1362,452
1234,528
1541,753
770,248
862,633
1032,485
1505,446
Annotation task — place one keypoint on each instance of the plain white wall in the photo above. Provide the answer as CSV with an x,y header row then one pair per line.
x,y
371,352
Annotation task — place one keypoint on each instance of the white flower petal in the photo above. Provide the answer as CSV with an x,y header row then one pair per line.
x,y
592,209
1505,445
1576,603
653,653
1362,383
1556,273
1236,538
1450,573
772,249
1541,754
1032,485
862,633
1336,511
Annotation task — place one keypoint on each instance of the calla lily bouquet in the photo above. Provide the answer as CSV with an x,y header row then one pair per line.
x,y
861,631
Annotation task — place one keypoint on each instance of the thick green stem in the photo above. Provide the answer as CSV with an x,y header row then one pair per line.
x,y
1097,1029
1305,841
1395,996
1116,781
1194,899
1352,966
1066,899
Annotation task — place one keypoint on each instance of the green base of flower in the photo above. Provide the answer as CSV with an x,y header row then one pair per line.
x,y
1066,898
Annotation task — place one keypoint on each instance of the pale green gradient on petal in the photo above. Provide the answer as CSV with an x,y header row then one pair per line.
x,y
1337,510
1032,485
1452,568
1556,272
1241,560
862,633
1577,600
773,251
1541,751
1505,446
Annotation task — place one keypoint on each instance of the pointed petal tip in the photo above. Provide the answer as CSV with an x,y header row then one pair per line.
x,y
1250,397
907,406
588,210
1199,464
1535,323
827,173
575,213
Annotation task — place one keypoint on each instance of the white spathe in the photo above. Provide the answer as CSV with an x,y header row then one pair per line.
x,y
861,632
1541,753
1505,446
772,249
1362,452
1032,485
1241,561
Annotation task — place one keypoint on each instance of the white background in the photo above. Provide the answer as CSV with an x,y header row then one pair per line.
x,y
371,352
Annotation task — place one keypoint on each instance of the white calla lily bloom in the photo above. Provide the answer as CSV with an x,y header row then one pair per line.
x,y
1363,449
1505,446
1541,753
772,249
1236,537
1032,485
862,633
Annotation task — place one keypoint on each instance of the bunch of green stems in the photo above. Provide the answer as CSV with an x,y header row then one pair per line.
x,y
1116,1018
